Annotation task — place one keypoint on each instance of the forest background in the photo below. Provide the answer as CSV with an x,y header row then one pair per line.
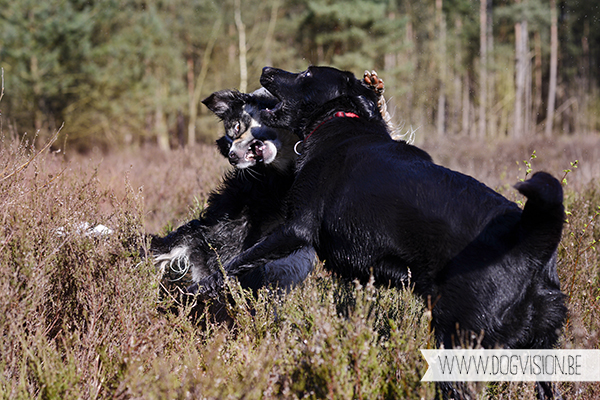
x,y
124,73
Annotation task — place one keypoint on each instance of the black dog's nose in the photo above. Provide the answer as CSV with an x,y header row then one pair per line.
x,y
233,157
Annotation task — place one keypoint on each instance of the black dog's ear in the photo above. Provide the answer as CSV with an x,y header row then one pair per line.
x,y
351,81
223,101
369,107
274,118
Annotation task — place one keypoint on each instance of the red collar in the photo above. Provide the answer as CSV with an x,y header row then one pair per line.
x,y
339,114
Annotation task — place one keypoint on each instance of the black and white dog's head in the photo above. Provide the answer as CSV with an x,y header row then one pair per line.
x,y
302,95
247,142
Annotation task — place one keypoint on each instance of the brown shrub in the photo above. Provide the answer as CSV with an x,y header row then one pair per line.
x,y
78,311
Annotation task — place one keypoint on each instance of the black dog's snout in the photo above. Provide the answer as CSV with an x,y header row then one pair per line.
x,y
267,75
268,70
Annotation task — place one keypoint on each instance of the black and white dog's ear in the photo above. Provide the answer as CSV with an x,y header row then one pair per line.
x,y
223,101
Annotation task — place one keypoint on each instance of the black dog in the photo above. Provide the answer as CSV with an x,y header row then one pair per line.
x,y
368,204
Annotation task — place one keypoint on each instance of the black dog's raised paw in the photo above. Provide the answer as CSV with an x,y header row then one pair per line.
x,y
374,82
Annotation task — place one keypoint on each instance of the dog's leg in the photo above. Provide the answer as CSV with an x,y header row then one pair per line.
x,y
547,391
289,271
375,83
279,244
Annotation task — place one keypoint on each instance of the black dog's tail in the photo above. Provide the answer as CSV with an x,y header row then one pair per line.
x,y
544,200
544,215
542,223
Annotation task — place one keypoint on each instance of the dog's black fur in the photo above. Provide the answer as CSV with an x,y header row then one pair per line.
x,y
247,206
250,202
369,204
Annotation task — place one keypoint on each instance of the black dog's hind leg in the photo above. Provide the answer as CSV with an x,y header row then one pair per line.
x,y
279,244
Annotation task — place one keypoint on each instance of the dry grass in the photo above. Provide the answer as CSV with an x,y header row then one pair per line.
x,y
173,185
79,313
501,163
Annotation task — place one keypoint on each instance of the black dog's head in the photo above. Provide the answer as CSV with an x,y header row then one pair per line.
x,y
303,94
247,142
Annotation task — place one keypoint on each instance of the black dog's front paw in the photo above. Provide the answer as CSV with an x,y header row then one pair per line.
x,y
209,287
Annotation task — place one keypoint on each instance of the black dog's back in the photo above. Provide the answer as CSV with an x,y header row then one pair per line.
x,y
391,187
514,256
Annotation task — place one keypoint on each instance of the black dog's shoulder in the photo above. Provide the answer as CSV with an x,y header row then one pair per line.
x,y
414,151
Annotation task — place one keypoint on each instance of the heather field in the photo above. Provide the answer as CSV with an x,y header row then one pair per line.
x,y
80,311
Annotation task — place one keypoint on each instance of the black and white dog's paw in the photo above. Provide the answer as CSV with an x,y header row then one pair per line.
x,y
209,287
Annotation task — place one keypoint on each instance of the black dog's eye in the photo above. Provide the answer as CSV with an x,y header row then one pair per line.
x,y
236,128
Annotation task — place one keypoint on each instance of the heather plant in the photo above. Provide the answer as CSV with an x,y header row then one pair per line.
x,y
82,313
65,289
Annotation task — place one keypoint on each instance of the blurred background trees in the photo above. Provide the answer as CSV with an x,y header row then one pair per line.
x,y
128,72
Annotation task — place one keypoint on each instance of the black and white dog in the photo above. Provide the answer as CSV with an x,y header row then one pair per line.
x,y
369,204
250,202
247,206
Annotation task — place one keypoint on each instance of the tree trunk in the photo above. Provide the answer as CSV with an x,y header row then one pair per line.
x,y
160,123
195,88
466,106
456,102
491,76
243,49
270,33
441,109
38,115
483,33
527,107
521,70
553,68
389,59
537,72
